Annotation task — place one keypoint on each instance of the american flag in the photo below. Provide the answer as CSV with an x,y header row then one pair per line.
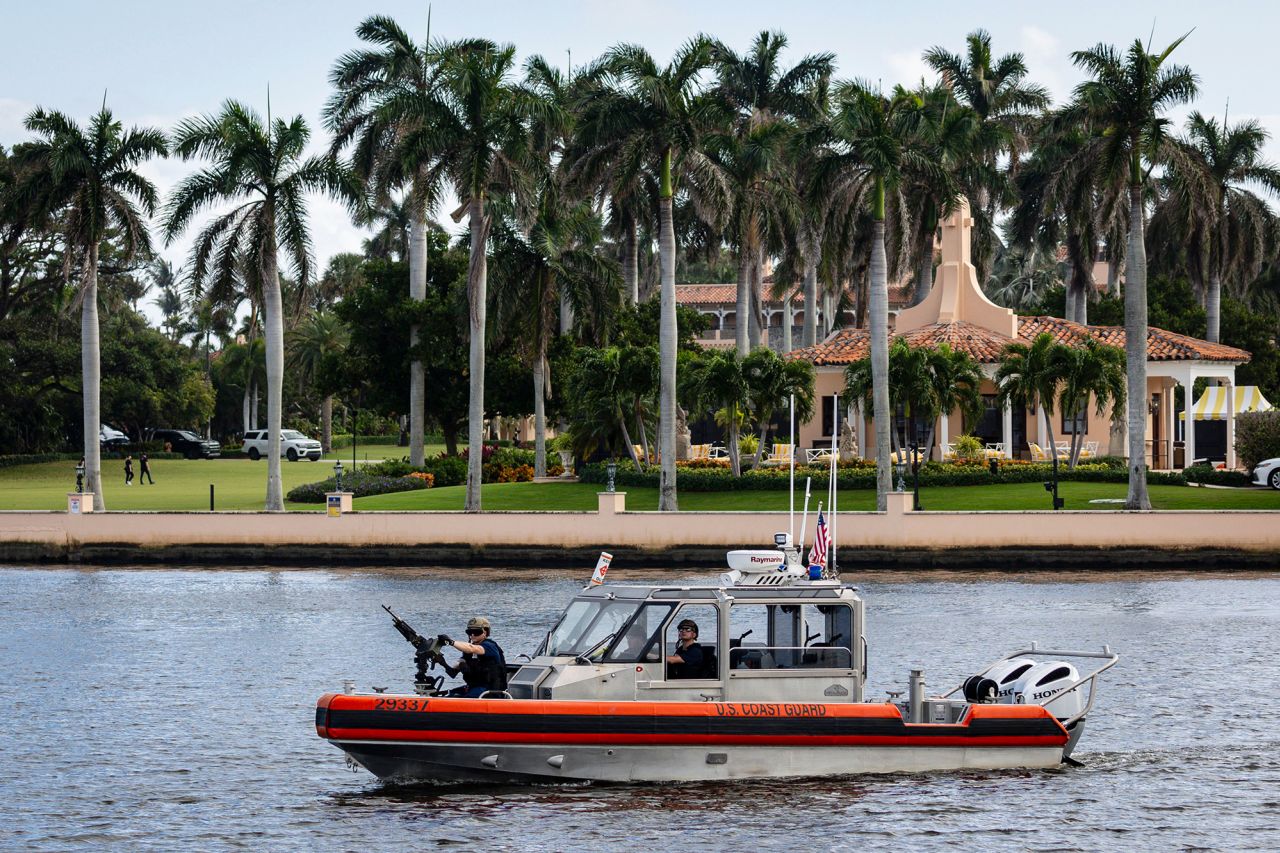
x,y
818,554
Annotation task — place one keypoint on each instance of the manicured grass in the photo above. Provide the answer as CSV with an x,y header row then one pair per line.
x,y
1017,496
241,485
181,484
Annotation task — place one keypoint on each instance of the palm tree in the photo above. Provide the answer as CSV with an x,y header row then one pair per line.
x,y
92,174
478,135
260,170
720,383
1006,106
663,114
772,383
319,338
1093,369
1229,227
876,145
602,401
954,379
1028,378
554,261
382,94
1124,101
170,301
767,105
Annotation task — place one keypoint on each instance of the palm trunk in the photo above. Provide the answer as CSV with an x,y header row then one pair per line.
x,y
644,434
253,405
326,423
246,409
1213,308
630,262
477,287
540,410
418,293
735,454
879,325
273,320
924,275
667,500
744,304
566,314
755,333
1115,268
91,380
1135,336
786,324
809,336
764,431
631,447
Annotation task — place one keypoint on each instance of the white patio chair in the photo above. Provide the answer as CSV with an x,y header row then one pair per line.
x,y
817,454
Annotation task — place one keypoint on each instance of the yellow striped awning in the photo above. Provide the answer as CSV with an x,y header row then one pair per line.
x,y
1212,405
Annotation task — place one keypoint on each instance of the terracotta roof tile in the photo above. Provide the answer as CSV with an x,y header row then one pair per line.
x,y
846,346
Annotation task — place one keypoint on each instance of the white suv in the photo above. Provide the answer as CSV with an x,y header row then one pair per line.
x,y
293,445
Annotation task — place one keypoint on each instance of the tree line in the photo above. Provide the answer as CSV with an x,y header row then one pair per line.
x,y
583,190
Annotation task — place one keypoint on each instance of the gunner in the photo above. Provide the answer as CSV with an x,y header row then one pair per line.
x,y
687,661
483,666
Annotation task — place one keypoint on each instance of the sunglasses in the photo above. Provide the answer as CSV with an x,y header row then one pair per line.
x,y
687,629
474,632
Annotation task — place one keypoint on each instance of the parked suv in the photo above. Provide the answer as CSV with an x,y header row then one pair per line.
x,y
293,445
110,438
187,443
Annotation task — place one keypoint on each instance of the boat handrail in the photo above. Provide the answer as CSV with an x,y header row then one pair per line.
x,y
1106,654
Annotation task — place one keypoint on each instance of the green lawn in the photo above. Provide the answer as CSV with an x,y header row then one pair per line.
x,y
241,484
181,484
1019,496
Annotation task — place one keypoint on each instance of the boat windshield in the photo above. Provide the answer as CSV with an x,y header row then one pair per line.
x,y
586,623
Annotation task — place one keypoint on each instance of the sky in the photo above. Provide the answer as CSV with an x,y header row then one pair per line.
x,y
159,62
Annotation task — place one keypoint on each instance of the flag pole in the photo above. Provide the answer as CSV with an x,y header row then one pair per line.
x,y
791,513
804,519
835,455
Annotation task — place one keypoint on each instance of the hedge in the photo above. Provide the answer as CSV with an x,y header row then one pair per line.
x,y
862,477
361,483
1215,477
38,458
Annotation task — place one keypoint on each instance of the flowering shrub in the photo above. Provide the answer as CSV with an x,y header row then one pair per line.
x,y
425,476
703,463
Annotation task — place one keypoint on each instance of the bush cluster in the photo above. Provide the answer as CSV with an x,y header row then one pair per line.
x,y
360,483
1257,437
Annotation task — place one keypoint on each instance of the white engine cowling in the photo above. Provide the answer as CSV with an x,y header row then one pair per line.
x,y
1042,682
1006,674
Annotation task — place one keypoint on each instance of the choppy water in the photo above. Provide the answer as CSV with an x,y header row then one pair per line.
x,y
157,710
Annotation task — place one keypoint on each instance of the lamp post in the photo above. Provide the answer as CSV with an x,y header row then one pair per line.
x,y
612,470
80,477
902,475
337,476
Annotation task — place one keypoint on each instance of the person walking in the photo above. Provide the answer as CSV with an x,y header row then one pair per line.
x,y
128,470
144,471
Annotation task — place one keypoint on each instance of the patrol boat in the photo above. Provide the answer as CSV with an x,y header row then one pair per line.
x,y
780,694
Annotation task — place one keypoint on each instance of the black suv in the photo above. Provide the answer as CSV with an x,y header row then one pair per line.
x,y
187,443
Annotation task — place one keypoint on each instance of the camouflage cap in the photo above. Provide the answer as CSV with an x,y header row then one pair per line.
x,y
478,622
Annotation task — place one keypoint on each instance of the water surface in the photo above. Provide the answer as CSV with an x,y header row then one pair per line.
x,y
163,709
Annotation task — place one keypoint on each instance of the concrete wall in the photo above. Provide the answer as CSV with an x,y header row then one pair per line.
x,y
1100,539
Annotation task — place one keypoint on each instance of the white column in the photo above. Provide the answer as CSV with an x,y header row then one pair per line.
x,y
1189,423
1230,388
944,425
1006,431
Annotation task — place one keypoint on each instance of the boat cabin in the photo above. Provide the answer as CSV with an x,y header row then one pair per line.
x,y
799,642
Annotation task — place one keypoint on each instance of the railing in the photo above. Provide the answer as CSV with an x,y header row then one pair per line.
x,y
1091,679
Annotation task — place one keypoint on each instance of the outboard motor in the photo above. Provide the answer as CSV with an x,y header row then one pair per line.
x,y
1039,684
1005,674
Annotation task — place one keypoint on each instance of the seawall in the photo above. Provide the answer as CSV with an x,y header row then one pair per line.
x,y
897,539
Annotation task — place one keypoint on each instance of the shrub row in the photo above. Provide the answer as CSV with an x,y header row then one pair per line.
x,y
361,483
1212,476
1257,437
702,479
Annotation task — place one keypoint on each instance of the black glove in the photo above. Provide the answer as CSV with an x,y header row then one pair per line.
x,y
445,639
